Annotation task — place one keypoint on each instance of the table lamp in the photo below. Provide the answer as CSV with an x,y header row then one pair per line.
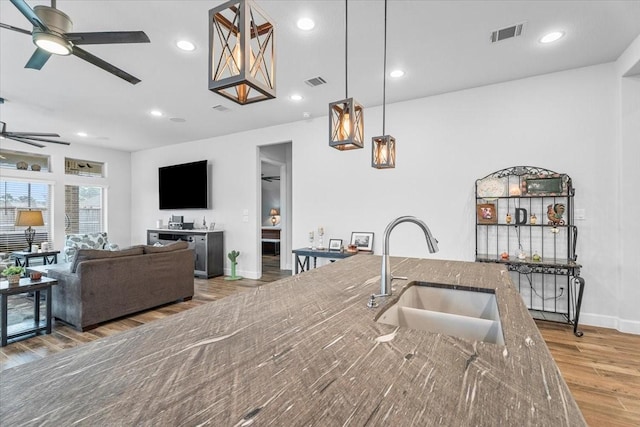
x,y
29,219
274,213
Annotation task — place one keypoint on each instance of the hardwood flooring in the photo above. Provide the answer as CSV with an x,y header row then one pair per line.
x,y
602,368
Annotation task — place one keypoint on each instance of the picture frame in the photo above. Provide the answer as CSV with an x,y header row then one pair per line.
x,y
363,240
545,185
487,213
335,244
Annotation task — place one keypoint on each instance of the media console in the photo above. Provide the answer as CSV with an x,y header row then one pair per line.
x,y
207,247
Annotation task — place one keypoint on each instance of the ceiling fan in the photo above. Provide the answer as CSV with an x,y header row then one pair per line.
x,y
30,137
52,34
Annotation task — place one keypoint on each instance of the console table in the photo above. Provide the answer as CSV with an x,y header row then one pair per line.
x,y
207,247
26,285
22,257
304,255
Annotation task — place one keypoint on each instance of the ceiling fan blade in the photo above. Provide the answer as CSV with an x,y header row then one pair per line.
x,y
108,37
25,141
24,8
83,54
31,138
30,134
11,27
38,59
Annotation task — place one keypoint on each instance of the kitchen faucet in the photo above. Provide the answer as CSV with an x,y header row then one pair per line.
x,y
386,277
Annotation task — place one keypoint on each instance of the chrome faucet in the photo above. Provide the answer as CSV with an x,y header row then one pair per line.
x,y
386,276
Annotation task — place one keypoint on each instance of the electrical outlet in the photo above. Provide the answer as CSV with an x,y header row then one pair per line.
x,y
581,214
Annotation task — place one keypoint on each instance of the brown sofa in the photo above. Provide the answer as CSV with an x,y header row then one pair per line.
x,y
103,285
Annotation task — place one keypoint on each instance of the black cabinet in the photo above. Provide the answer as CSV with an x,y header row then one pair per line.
x,y
525,220
206,245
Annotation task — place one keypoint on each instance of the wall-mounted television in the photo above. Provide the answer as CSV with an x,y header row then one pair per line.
x,y
183,186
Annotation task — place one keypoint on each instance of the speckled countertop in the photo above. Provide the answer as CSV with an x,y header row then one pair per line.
x,y
302,351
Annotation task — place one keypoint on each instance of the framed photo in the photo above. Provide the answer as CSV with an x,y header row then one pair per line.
x,y
487,213
363,240
335,244
545,185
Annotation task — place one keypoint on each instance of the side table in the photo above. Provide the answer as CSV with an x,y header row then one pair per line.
x,y
22,257
26,285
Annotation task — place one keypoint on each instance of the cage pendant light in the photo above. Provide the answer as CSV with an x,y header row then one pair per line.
x,y
241,52
346,117
383,148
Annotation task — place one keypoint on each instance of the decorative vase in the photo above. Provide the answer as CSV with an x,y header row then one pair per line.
x,y
36,167
13,279
22,165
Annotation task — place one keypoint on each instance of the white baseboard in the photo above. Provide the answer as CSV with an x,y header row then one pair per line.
x,y
622,325
244,273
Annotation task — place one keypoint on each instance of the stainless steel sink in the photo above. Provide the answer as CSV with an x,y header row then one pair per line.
x,y
460,311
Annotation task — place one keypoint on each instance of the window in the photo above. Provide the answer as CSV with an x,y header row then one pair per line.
x,y
16,195
83,168
24,161
83,209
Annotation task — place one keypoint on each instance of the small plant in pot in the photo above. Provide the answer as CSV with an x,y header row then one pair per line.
x,y
13,274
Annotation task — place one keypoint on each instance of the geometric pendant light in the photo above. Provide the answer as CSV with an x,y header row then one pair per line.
x,y
383,148
241,52
346,117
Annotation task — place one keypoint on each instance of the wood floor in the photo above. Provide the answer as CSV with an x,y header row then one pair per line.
x,y
602,368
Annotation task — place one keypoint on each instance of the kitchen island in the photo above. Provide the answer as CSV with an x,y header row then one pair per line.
x,y
303,351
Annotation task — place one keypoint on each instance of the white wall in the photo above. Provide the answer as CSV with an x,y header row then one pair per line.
x,y
117,184
629,67
567,122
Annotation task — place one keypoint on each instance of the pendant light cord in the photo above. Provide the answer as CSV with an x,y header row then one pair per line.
x,y
384,71
346,49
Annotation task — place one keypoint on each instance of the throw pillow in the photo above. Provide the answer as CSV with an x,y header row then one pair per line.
x,y
87,254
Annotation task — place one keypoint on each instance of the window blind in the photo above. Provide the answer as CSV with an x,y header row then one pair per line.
x,y
16,195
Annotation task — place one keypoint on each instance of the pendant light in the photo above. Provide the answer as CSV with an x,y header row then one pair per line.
x,y
383,148
241,52
346,117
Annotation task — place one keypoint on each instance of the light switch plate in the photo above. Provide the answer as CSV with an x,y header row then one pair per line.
x,y
245,211
245,218
581,214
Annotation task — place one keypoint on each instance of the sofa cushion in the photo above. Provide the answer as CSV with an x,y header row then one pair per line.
x,y
87,254
176,246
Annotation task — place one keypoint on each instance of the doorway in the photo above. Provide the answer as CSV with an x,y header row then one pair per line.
x,y
275,208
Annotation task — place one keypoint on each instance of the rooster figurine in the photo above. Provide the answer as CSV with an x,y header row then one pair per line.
x,y
554,213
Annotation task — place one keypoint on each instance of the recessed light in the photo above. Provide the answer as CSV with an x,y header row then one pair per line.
x,y
156,113
295,97
186,45
83,134
306,24
396,73
551,37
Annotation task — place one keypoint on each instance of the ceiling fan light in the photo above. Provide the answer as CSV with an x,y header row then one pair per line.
x,y
52,43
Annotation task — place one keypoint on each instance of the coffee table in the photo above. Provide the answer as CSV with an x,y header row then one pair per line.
x,y
26,285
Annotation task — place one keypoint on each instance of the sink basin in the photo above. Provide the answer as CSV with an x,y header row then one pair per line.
x,y
463,312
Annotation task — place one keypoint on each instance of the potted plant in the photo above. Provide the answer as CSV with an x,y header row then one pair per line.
x,y
13,274
233,256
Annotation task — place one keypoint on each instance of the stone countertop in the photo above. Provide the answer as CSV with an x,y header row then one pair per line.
x,y
303,351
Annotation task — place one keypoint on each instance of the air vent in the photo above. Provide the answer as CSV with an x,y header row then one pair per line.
x,y
507,33
316,81
220,108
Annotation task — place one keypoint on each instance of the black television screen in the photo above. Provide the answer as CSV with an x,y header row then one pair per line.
x,y
183,186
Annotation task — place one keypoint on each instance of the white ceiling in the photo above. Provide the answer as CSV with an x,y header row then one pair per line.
x,y
442,45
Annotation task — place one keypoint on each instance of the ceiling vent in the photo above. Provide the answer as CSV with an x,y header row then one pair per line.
x,y
221,108
316,81
507,33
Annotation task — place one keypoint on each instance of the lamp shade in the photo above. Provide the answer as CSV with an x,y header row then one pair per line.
x,y
346,125
383,152
274,211
29,218
241,52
